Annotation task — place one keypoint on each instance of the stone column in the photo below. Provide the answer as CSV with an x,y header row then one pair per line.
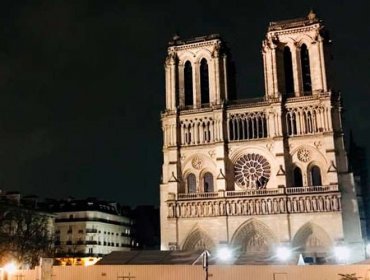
x,y
297,74
196,84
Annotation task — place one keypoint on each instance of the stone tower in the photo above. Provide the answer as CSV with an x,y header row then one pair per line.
x,y
256,174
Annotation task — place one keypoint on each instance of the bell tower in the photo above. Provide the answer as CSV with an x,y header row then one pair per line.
x,y
196,72
294,58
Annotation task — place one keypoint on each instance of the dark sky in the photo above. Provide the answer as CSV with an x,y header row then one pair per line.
x,y
82,84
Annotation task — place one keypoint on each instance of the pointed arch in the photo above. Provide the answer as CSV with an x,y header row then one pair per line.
x,y
288,72
297,177
198,239
253,237
312,239
191,183
204,82
208,183
188,83
306,72
314,175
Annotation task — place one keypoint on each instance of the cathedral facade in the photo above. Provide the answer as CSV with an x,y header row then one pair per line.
x,y
257,174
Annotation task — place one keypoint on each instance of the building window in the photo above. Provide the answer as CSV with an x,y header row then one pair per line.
x,y
288,73
315,176
291,123
297,173
191,181
188,84
306,74
204,82
208,182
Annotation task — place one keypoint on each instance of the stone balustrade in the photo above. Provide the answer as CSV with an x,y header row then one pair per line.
x,y
254,192
256,202
312,189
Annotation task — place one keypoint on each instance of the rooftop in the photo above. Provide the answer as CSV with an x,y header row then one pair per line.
x,y
177,41
311,18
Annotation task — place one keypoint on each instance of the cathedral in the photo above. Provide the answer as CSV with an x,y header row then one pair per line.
x,y
257,174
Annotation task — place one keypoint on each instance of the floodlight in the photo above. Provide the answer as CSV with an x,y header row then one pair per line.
x,y
10,267
283,253
224,254
341,253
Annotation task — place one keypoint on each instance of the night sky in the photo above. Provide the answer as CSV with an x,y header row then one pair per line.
x,y
82,84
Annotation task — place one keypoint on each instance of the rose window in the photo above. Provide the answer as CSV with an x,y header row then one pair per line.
x,y
304,155
252,171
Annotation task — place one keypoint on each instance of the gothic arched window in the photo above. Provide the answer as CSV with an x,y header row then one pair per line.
x,y
208,182
204,82
306,74
192,183
297,174
291,123
232,129
288,72
188,83
315,176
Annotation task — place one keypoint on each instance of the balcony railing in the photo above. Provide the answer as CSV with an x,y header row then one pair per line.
x,y
255,192
257,202
205,195
312,189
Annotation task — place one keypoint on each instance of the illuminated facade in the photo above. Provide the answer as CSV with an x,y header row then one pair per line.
x,y
262,173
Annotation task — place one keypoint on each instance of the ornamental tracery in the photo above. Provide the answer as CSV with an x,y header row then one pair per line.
x,y
304,155
197,162
252,171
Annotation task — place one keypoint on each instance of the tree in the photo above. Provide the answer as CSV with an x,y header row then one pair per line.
x,y
25,235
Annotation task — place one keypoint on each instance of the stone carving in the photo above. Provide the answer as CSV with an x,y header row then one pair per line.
x,y
254,206
172,56
197,162
212,153
252,171
317,144
216,49
269,146
304,155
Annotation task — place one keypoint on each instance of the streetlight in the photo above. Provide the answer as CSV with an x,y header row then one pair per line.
x,y
204,255
223,253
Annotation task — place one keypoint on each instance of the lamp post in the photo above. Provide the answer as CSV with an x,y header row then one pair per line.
x,y
204,255
224,254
